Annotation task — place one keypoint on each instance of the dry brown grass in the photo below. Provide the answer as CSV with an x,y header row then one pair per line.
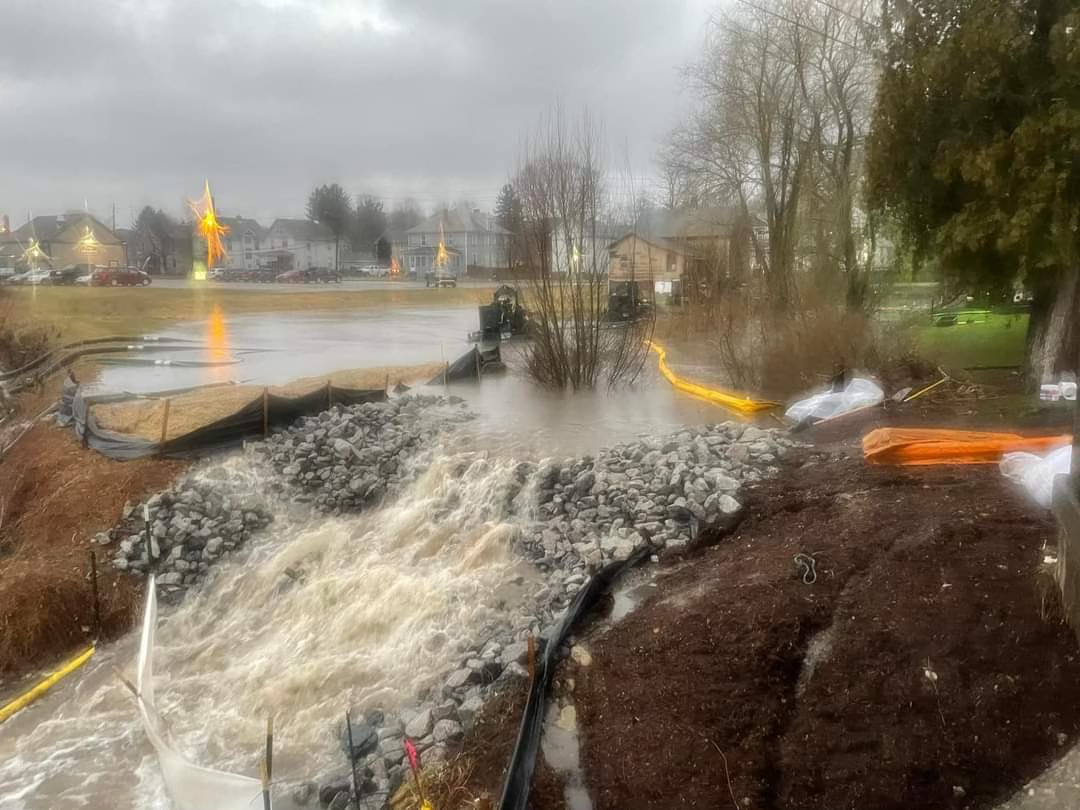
x,y
379,378
446,786
187,412
193,410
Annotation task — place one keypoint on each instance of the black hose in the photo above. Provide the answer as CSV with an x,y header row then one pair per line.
x,y
7,375
515,794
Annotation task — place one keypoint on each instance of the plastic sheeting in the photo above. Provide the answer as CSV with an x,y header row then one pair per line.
x,y
1036,473
191,786
911,446
229,431
858,393
515,794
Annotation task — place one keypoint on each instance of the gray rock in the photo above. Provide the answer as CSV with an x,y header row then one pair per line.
x,y
364,740
332,789
445,711
303,793
515,653
679,511
728,505
462,677
420,724
446,731
469,710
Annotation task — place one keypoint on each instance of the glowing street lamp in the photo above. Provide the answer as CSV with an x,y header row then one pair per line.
x,y
206,222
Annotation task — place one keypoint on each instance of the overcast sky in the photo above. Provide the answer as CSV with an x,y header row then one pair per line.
x,y
136,101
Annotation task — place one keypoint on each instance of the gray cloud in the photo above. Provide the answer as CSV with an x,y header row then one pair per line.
x,y
135,101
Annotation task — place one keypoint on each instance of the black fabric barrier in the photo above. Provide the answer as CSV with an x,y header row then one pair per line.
x,y
515,794
470,366
228,431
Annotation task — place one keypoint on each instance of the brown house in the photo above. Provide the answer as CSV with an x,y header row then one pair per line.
x,y
68,239
653,263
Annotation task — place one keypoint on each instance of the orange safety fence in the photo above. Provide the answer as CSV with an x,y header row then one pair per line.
x,y
908,446
735,403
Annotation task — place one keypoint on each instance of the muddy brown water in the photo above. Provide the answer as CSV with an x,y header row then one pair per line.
x,y
388,602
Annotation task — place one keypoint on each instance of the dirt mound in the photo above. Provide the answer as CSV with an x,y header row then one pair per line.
x,y
194,410
54,497
915,672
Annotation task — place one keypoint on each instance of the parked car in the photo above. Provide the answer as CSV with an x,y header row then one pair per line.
x,y
119,277
31,277
70,274
291,277
439,280
85,279
313,275
217,274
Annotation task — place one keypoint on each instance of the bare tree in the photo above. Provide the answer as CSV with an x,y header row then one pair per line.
x,y
563,186
785,91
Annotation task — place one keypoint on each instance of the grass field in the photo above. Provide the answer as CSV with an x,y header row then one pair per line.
x,y
83,313
996,341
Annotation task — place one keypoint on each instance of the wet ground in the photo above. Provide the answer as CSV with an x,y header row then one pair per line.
x,y
513,413
352,284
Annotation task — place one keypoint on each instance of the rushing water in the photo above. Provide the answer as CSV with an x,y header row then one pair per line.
x,y
318,615
372,610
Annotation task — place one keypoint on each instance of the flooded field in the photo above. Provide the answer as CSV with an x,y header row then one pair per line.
x,y
275,348
385,601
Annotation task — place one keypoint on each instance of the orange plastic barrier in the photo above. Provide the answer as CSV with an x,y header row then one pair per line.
x,y
935,446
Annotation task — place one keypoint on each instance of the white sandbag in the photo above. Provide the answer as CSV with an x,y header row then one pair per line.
x,y
1036,473
858,393
191,786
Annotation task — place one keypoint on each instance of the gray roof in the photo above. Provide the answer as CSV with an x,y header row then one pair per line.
x,y
458,220
48,228
241,224
303,230
655,241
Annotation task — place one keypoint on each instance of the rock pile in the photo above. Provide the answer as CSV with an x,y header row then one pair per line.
x,y
659,489
191,525
587,512
348,458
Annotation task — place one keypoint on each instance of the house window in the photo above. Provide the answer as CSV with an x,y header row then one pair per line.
x,y
671,262
423,240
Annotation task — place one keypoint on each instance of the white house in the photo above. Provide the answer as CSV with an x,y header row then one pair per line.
x,y
470,237
299,244
242,242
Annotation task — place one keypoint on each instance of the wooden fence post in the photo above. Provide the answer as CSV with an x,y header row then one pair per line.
x,y
329,395
164,427
266,411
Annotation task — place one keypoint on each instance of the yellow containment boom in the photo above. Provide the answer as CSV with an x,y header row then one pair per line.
x,y
725,399
44,685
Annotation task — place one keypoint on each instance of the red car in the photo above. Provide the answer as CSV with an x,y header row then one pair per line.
x,y
119,277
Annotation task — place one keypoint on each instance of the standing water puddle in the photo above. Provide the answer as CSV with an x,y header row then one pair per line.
x,y
562,750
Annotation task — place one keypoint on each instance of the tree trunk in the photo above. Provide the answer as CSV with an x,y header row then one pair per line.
x,y
1052,336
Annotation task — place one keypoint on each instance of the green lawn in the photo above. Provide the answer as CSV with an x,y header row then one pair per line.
x,y
994,340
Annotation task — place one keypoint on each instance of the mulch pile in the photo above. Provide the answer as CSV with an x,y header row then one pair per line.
x,y
917,671
54,497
